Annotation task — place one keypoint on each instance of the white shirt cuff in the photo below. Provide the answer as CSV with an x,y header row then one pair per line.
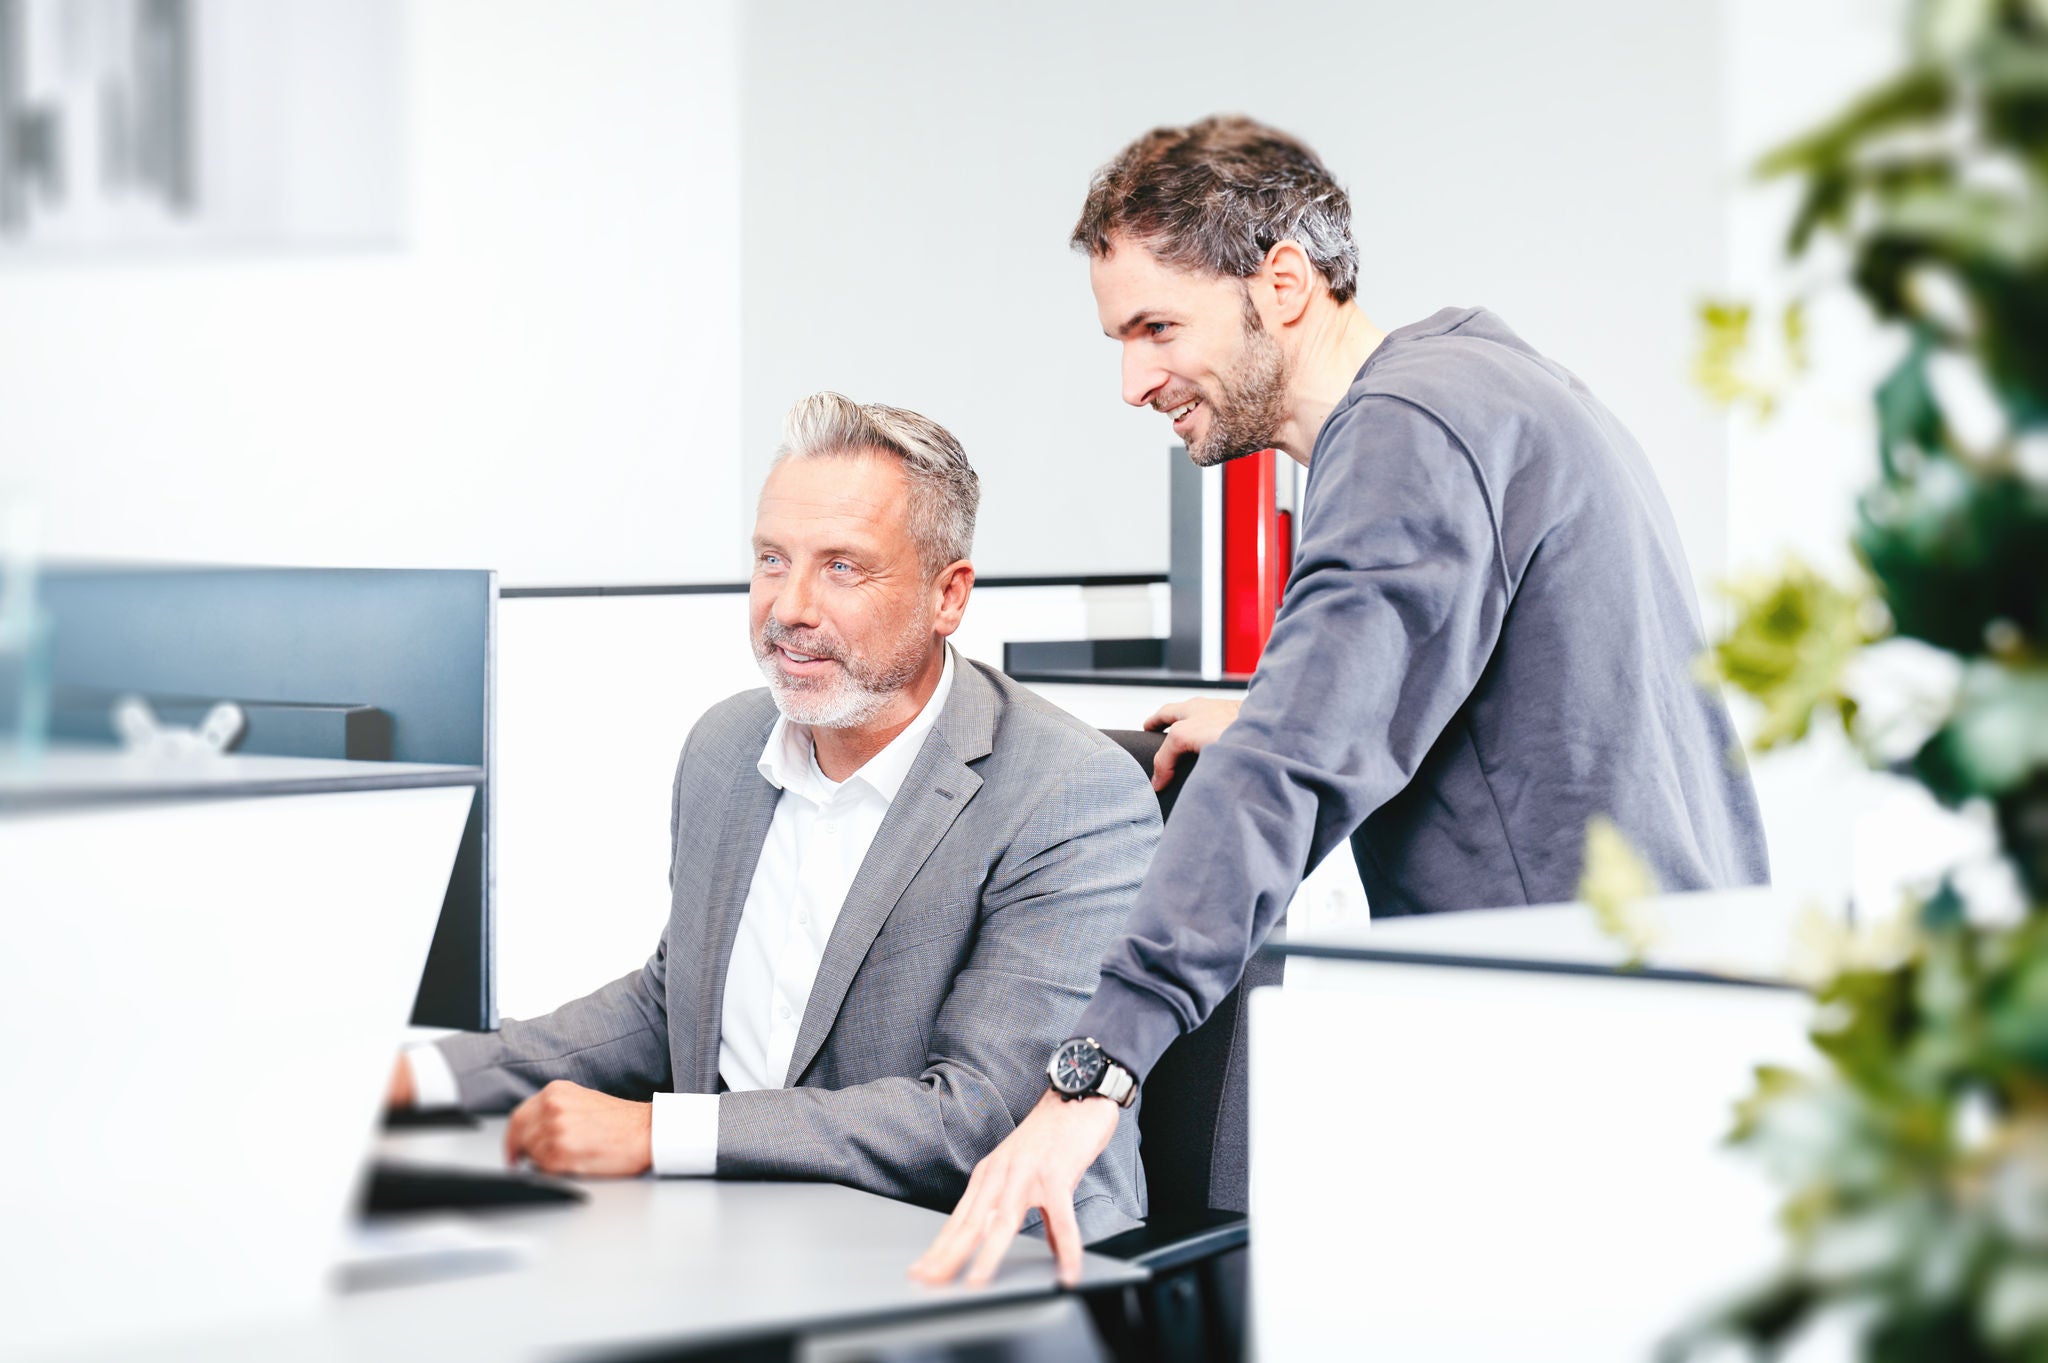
x,y
433,1079
685,1135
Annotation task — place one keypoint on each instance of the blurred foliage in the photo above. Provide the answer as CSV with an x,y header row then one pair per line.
x,y
1728,366
1917,1164
1935,186
1792,638
1614,883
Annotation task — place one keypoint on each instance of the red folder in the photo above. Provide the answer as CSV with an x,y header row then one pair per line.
x,y
1257,554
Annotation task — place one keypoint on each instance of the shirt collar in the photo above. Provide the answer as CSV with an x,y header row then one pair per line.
x,y
787,760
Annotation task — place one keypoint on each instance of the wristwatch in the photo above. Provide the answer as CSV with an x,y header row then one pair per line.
x,y
1080,1069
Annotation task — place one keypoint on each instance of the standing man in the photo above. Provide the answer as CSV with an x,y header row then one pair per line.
x,y
1486,641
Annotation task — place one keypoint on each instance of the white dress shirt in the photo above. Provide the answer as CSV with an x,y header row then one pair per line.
x,y
816,841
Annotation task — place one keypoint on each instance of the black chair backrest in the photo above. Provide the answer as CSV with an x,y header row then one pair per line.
x,y
1193,1115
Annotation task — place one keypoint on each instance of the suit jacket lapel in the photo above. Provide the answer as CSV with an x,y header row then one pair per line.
x,y
938,787
749,809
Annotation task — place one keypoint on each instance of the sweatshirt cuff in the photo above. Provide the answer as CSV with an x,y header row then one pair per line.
x,y
433,1079
685,1134
1133,1026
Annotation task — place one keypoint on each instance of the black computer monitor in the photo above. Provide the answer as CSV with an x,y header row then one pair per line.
x,y
377,664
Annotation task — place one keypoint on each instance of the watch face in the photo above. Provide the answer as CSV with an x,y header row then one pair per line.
x,y
1077,1066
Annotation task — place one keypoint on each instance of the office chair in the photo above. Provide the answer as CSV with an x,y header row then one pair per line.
x,y
1192,1119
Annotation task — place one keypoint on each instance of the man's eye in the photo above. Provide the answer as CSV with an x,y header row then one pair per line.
x,y
1158,328
771,561
840,565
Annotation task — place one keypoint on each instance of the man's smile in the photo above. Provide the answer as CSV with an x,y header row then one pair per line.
x,y
1182,413
802,664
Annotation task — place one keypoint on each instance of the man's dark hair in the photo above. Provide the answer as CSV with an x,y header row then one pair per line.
x,y
1216,195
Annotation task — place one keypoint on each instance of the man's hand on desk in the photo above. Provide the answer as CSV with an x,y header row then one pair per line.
x,y
1191,725
569,1129
400,1093
1037,1165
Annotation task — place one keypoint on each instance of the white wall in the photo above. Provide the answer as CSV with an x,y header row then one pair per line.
x,y
553,375
542,379
912,172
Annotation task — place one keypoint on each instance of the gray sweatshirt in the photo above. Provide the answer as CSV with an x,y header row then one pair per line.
x,y
1488,638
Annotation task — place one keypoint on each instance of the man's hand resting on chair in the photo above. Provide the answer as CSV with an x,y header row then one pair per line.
x,y
569,1129
1191,725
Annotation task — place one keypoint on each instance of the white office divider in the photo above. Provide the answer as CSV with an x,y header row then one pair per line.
x,y
596,695
1484,1160
200,1002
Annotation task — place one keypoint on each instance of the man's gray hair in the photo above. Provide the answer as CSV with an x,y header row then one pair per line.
x,y
944,489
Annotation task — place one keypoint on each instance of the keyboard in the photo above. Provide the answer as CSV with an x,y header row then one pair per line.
x,y
394,1189
428,1119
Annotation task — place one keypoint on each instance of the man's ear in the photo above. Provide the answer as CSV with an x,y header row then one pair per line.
x,y
1285,284
953,584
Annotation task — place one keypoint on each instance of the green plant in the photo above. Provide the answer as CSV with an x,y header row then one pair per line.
x,y
1917,1164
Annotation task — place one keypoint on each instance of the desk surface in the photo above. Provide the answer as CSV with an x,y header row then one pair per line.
x,y
66,777
647,1263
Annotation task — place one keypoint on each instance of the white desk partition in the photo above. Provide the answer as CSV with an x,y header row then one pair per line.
x,y
1481,1160
203,982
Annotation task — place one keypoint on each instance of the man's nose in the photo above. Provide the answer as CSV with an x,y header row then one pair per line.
x,y
796,603
1142,378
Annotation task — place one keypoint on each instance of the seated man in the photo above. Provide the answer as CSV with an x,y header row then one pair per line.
x,y
893,877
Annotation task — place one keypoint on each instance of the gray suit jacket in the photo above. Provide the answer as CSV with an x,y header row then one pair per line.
x,y
964,953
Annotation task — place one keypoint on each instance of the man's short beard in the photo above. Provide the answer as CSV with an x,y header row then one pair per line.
x,y
1250,404
857,692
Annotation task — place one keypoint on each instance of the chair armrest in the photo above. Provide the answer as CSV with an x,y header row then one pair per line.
x,y
1175,1242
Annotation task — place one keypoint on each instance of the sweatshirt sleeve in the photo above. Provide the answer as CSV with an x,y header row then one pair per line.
x,y
1391,613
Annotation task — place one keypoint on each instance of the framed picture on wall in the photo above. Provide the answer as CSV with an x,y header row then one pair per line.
x,y
204,123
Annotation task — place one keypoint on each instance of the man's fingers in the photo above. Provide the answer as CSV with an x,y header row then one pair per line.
x,y
936,1266
1166,714
998,1228
1170,713
941,1263
401,1091
956,1239
514,1131
1063,1233
1164,761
